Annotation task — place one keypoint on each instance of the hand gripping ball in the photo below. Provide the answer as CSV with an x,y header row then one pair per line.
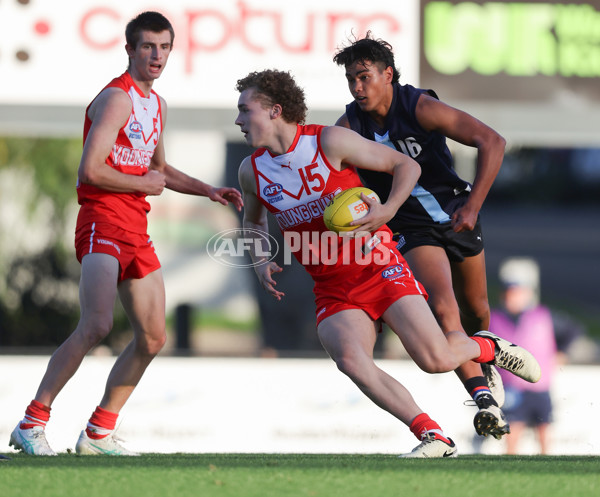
x,y
345,207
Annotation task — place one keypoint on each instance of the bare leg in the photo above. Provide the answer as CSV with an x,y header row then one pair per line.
x,y
432,268
144,301
432,350
97,294
514,437
349,337
470,287
543,437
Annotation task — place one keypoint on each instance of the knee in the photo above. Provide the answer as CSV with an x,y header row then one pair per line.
x,y
151,344
351,366
476,310
446,313
92,332
434,363
482,314
346,365
157,344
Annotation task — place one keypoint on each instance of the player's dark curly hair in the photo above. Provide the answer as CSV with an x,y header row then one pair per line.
x,y
277,87
147,21
367,49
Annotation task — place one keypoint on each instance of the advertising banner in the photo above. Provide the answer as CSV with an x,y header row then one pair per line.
x,y
534,51
57,53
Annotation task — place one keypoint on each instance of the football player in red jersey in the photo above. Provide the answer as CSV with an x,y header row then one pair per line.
x,y
123,161
350,296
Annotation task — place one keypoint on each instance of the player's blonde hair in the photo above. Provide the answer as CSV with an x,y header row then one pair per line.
x,y
277,87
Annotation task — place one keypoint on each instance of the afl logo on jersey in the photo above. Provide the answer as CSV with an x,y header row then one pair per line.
x,y
391,273
272,190
135,129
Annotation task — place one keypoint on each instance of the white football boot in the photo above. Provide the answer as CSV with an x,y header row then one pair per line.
x,y
108,446
513,358
31,441
431,447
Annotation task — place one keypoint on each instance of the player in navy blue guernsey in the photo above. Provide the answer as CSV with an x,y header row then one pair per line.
x,y
438,228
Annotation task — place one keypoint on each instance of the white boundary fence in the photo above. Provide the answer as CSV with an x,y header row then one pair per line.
x,y
224,405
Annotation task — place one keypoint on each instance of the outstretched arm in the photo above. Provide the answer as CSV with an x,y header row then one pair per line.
x,y
181,182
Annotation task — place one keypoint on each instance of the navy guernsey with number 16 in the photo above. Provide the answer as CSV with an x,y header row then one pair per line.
x,y
439,191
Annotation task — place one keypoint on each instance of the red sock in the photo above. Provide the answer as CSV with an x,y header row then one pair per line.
x,y
488,348
101,423
423,424
36,414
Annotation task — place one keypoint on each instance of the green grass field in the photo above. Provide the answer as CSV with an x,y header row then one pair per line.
x,y
287,475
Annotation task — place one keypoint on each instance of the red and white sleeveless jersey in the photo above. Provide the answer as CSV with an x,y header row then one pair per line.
x,y
296,187
131,154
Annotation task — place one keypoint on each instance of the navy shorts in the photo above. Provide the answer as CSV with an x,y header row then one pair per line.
x,y
531,408
457,245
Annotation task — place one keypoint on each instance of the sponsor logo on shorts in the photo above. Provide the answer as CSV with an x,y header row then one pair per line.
x,y
101,241
393,272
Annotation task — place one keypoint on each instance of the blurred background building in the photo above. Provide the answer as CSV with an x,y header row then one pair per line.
x,y
527,68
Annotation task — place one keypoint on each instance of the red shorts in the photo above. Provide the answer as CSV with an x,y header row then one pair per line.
x,y
372,288
134,251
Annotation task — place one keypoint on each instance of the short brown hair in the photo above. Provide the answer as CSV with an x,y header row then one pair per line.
x,y
147,21
277,87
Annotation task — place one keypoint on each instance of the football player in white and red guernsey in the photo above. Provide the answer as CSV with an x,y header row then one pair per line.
x,y
294,170
123,161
